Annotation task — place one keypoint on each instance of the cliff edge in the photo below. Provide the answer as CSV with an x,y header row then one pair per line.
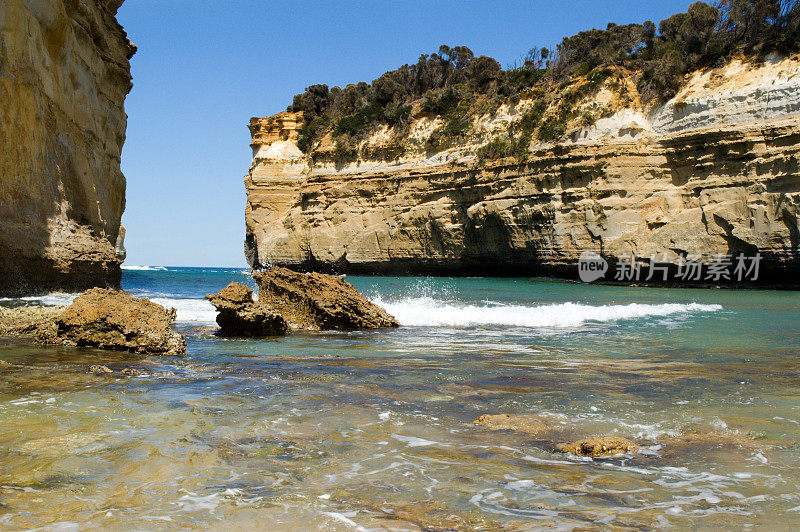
x,y
64,76
711,171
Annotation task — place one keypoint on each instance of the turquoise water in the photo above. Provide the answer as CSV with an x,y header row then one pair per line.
x,y
374,430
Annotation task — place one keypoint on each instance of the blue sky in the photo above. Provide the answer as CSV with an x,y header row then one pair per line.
x,y
204,67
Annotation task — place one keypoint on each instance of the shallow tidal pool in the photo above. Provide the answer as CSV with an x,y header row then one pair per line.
x,y
374,430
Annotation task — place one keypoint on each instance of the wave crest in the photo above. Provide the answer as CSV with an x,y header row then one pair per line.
x,y
429,312
133,267
198,311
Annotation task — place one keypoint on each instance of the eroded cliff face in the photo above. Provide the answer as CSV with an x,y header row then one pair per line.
x,y
64,75
714,171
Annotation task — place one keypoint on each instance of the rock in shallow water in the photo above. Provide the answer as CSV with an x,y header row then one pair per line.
x,y
100,370
105,319
600,446
529,424
701,443
316,301
67,444
116,320
240,316
30,322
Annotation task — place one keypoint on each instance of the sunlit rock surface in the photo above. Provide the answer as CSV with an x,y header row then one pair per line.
x,y
99,318
713,171
64,75
318,301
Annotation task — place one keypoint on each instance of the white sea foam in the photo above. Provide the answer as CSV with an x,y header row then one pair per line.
x,y
429,312
49,300
133,267
198,311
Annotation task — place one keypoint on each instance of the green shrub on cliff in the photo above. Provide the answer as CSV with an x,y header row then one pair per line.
x,y
345,151
455,84
497,148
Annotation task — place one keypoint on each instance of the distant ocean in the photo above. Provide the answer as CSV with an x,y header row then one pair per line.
x,y
369,430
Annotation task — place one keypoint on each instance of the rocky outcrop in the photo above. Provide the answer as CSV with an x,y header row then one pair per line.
x,y
240,316
64,75
105,319
35,322
109,319
714,171
317,301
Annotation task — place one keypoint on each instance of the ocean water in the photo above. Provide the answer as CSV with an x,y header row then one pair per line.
x,y
374,430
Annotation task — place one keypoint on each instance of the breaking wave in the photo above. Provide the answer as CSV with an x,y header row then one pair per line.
x,y
429,312
54,299
197,311
144,268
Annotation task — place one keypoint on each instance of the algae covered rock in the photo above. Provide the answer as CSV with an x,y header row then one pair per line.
x,y
116,320
240,316
599,446
317,301
529,424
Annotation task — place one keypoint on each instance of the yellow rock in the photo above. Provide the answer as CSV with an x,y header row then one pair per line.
x,y
599,446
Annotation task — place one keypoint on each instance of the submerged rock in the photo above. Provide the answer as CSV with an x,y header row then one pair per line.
x,y
316,301
239,315
100,370
701,442
529,424
599,446
68,444
116,320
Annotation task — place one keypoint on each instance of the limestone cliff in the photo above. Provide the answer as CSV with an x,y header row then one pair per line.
x,y
712,171
64,75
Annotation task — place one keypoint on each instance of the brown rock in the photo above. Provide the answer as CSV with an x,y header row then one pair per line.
x,y
109,319
529,424
317,301
694,442
100,370
600,446
239,315
131,372
33,322
434,516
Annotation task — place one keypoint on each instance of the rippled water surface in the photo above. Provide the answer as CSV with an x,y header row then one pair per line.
x,y
374,430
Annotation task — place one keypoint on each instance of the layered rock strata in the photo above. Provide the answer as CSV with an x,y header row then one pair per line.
x,y
64,75
714,171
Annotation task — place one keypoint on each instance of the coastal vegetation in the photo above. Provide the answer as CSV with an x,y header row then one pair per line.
x,y
455,85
